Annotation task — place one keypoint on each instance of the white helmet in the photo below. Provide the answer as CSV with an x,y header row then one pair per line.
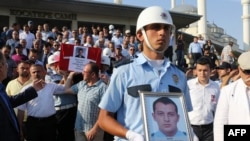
x,y
153,14
111,27
106,52
105,60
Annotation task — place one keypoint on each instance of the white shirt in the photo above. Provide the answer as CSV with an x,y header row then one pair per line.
x,y
43,104
225,54
125,52
46,34
204,100
232,108
202,43
30,37
95,37
117,41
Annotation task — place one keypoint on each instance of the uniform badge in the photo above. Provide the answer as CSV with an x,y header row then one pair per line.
x,y
164,15
175,78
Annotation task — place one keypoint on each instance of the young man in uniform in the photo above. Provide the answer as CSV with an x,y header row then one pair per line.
x,y
154,26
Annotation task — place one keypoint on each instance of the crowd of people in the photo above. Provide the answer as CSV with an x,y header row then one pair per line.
x,y
101,103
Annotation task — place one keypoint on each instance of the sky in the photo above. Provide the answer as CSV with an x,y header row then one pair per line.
x,y
224,13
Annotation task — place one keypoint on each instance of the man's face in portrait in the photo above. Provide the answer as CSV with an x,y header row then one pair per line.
x,y
80,52
166,117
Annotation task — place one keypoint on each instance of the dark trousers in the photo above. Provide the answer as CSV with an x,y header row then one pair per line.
x,y
65,124
180,57
204,132
41,129
195,57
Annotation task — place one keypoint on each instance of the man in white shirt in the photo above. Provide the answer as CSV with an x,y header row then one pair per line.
x,y
201,40
117,38
41,121
227,53
233,105
204,94
28,36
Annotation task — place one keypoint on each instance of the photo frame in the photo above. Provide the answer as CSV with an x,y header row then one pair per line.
x,y
161,121
83,50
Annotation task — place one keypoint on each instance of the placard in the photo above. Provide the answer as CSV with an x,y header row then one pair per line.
x,y
69,61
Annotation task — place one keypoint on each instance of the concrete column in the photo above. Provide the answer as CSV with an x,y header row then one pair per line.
x,y
118,1
202,23
246,24
173,4
12,19
74,25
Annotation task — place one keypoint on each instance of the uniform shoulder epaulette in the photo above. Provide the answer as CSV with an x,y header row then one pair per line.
x,y
122,62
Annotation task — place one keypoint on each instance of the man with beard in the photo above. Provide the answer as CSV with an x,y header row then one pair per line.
x,y
89,92
15,85
23,79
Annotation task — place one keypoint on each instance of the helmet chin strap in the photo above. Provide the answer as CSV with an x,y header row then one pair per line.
x,y
148,44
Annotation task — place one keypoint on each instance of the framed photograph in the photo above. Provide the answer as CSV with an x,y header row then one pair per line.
x,y
165,117
80,52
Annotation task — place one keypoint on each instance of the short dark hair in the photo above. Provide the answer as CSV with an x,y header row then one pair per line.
x,y
47,44
94,68
165,100
24,62
37,65
204,61
6,46
33,51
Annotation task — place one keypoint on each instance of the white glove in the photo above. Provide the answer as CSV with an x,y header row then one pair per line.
x,y
133,136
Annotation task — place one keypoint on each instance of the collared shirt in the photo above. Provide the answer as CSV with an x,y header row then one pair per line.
x,y
226,54
43,104
125,51
60,99
232,109
46,34
29,37
204,100
195,48
12,43
117,41
139,72
88,99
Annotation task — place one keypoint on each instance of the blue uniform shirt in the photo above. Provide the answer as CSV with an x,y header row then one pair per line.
x,y
139,72
180,136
